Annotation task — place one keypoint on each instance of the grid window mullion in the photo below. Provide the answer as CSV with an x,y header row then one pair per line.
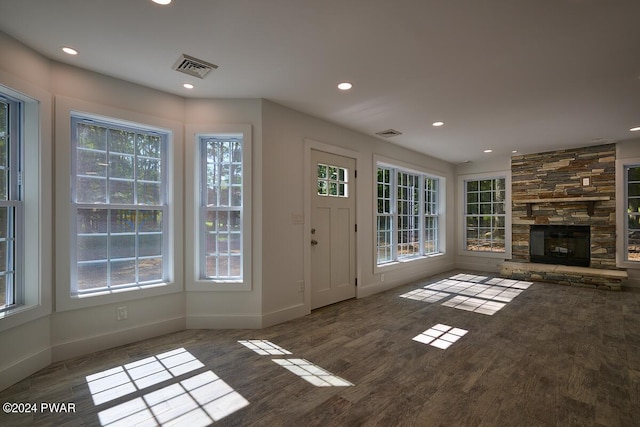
x,y
484,210
410,224
108,253
221,219
632,223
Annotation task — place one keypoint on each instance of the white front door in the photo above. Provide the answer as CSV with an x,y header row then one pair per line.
x,y
332,231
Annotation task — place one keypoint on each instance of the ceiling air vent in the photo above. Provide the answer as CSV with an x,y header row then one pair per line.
x,y
388,133
193,66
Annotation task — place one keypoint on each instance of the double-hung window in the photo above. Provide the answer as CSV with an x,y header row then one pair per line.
x,y
484,214
632,224
11,204
119,205
221,207
408,213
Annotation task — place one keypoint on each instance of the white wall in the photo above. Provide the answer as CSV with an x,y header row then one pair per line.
x,y
285,240
214,308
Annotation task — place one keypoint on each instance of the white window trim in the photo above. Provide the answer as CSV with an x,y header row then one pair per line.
x,y
193,236
37,201
442,220
462,244
65,300
621,211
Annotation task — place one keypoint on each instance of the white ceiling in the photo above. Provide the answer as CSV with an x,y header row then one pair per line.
x,y
526,75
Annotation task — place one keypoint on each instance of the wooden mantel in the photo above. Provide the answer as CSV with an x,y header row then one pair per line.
x,y
590,201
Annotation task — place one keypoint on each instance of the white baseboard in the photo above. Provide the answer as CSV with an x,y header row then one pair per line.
x,y
25,367
365,291
284,315
92,344
224,322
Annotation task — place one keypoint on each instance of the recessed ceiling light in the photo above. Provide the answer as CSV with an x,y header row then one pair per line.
x,y
162,2
69,50
514,151
438,124
188,86
345,86
488,151
636,129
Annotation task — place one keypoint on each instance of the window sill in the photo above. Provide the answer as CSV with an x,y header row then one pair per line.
x,y
114,296
218,286
381,268
91,294
21,314
486,254
633,265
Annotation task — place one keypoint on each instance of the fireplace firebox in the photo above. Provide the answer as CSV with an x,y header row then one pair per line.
x,y
560,244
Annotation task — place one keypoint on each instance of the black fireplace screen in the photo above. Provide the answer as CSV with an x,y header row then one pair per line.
x,y
560,244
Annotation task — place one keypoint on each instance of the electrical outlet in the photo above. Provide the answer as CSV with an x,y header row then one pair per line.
x,y
122,313
382,277
301,286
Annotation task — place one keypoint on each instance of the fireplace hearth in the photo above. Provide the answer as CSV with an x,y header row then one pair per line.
x,y
560,244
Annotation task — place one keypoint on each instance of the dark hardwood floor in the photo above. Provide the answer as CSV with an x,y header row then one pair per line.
x,y
533,355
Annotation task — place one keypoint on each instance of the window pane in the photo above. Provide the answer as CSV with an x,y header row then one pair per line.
x,y
149,220
149,146
123,272
3,256
149,194
92,221
91,136
121,141
148,170
121,166
92,248
92,276
634,189
150,270
122,246
91,190
121,192
150,245
4,222
3,292
633,174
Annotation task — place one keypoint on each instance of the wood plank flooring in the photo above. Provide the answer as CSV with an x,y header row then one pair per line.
x,y
552,356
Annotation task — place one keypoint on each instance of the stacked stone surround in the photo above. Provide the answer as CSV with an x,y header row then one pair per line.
x,y
551,177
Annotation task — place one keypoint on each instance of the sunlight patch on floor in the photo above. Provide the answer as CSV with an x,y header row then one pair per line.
x,y
440,336
475,305
197,400
425,295
301,367
488,294
122,380
264,347
312,373
474,278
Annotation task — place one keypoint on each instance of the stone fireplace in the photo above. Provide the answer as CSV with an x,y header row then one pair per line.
x,y
562,190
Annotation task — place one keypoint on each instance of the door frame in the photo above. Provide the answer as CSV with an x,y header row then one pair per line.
x,y
310,144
